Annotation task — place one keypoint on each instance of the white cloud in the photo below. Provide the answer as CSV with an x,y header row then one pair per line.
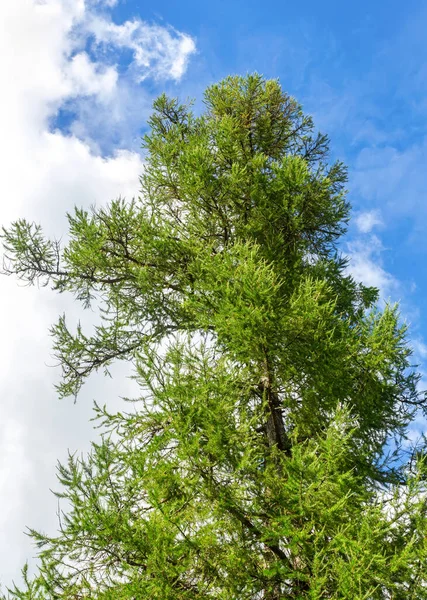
x,y
366,221
88,78
158,51
43,64
365,265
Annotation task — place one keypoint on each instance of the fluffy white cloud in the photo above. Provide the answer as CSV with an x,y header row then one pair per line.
x,y
366,221
365,265
43,64
158,51
88,78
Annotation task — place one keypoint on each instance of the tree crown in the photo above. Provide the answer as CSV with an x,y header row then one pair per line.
x,y
271,384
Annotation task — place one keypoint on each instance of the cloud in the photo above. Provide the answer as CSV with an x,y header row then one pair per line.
x,y
46,65
122,57
89,78
365,265
366,221
158,51
56,62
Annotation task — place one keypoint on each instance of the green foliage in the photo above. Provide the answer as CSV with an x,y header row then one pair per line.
x,y
255,465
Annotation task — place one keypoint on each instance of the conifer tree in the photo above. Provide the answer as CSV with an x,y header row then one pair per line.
x,y
258,461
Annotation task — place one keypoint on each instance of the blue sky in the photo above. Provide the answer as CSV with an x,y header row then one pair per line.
x,y
80,77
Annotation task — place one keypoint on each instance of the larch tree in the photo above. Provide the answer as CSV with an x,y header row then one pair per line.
x,y
265,455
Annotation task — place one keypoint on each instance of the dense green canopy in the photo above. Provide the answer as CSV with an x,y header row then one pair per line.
x,y
257,463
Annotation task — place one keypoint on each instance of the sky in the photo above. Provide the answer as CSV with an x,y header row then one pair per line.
x,y
78,78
